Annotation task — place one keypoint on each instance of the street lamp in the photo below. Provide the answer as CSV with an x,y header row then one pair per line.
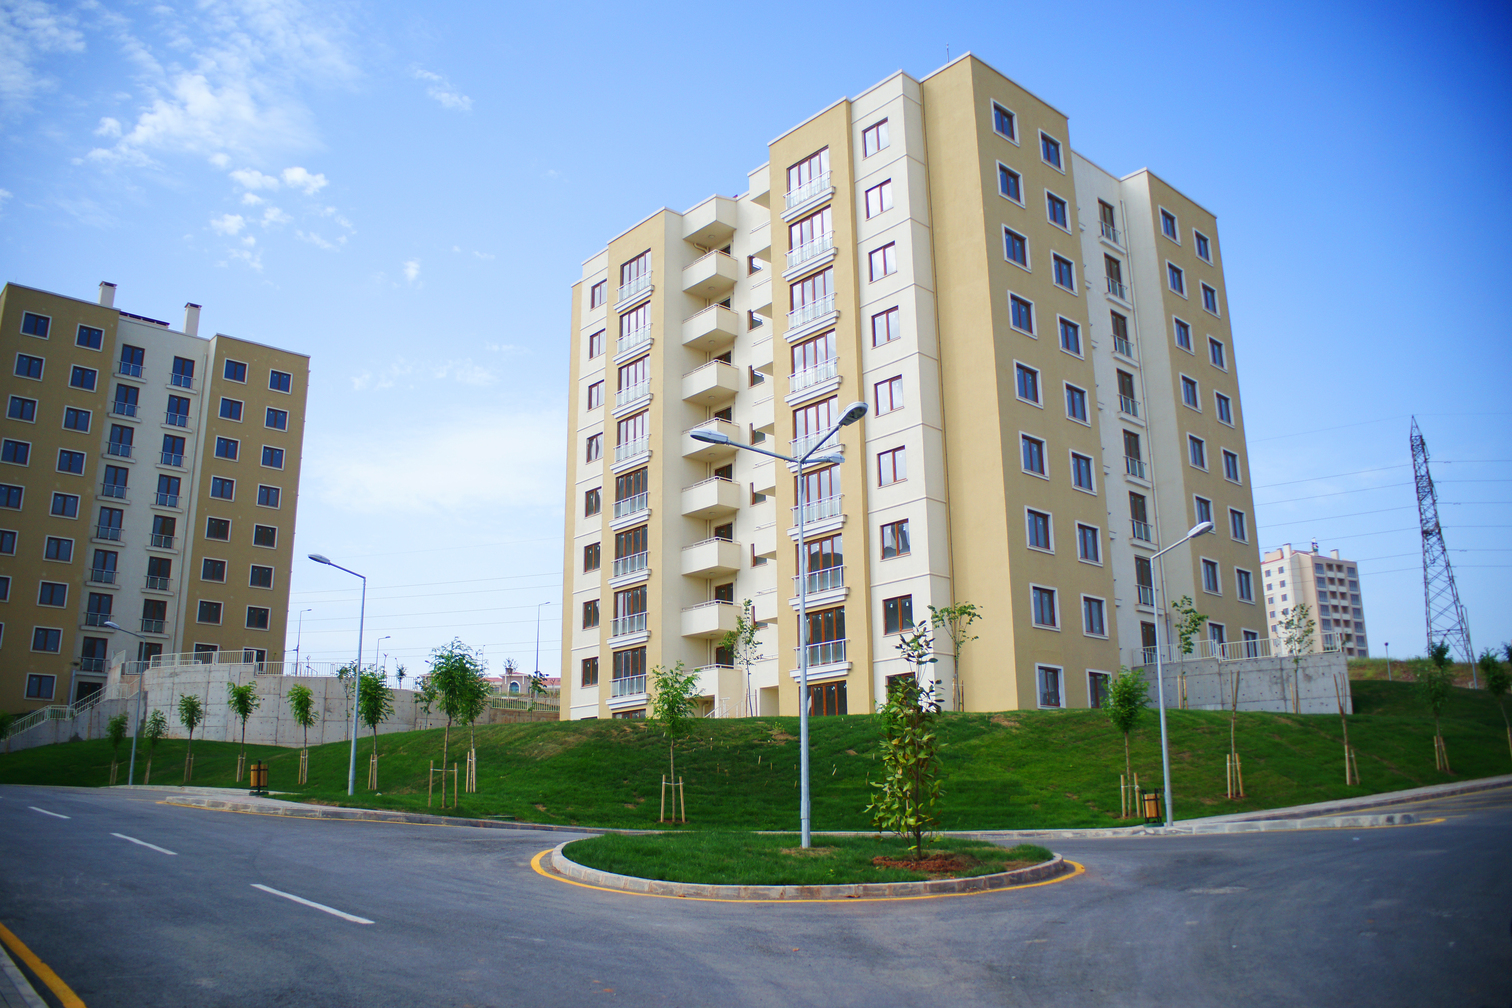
x,y
855,411
141,697
1165,748
299,636
375,652
538,638
356,671
1388,661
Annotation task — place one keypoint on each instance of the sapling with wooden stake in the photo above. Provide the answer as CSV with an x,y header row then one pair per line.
x,y
1498,680
1436,684
154,731
115,730
905,797
457,684
190,713
954,621
302,706
741,643
1128,695
1297,636
375,703
1187,628
1235,774
243,700
674,698
1351,769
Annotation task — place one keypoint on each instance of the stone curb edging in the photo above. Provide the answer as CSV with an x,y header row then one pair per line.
x,y
568,868
1346,805
371,815
1238,826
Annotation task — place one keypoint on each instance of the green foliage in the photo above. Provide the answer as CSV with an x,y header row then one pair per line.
x,y
302,706
155,730
399,675
1497,677
918,650
742,645
955,622
674,698
903,800
243,700
1297,631
115,731
1128,696
456,684
1436,683
1190,623
375,701
190,712
6,720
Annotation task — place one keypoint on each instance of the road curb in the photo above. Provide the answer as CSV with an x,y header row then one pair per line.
x,y
568,868
301,811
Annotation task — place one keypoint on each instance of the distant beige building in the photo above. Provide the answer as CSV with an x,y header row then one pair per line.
x,y
1331,588
149,479
1046,352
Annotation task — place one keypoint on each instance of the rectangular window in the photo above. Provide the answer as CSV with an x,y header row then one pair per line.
x,y
1033,454
1183,334
889,394
267,496
1050,150
885,327
1094,613
25,409
65,505
260,577
1204,252
595,395
273,419
1210,299
257,618
227,448
630,664
35,325
1065,273
1010,184
28,366
230,409
89,337
1216,354
1003,122
183,373
1203,509
883,261
598,293
879,199
1076,403
1097,689
1049,683
223,488
236,371
1021,314
1028,383
1168,225
40,687
1043,600
590,671
1015,247
1176,278
1070,337
173,450
10,496
895,539
1197,451
212,570
1055,210
51,593
82,378
1088,544
1189,396
1238,526
1230,466
1120,326
7,542
595,448
590,614
1224,407
272,458
1244,585
60,549
16,452
1210,576
891,467
596,344
1037,524
208,612
280,381
873,139
590,557
218,528
1081,473
593,502
265,535
897,614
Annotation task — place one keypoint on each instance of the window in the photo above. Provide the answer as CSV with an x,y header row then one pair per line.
x,y
1197,451
1050,150
10,496
1015,247
1230,466
593,502
65,505
891,467
272,458
1044,606
590,671
1037,524
897,614
260,577
89,337
236,371
81,378
257,618
1065,274
1238,527
7,542
1168,226
883,261
35,325
230,409
1088,546
1210,577
274,419
223,488
1189,396
598,294
1070,337
183,372
1027,383
895,539
209,612
1203,509
227,448
1210,299
1183,334
595,395
873,139
885,327
1055,210
1120,326
1033,454
1216,354
879,198
1010,184
1097,689
1003,122
267,496
1094,612
16,452
596,344
1225,408
218,528
51,593
889,394
591,557
60,549
265,535
1021,314
1081,473
1076,403
40,687
1244,585
24,409
595,446
212,570
590,614
1201,242
1176,278
280,381
28,366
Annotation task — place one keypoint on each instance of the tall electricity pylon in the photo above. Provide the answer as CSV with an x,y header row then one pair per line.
x,y
1441,601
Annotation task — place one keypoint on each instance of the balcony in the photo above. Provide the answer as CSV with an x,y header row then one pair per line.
x,y
712,330
1128,405
712,383
182,381
629,686
798,447
167,500
120,449
816,188
632,340
1144,533
176,419
161,541
96,618
1117,289
623,626
712,558
702,450
826,653
1146,595
630,505
152,625
817,510
1134,467
631,449
804,314
91,664
1122,346
811,250
130,370
711,276
99,575
713,498
113,490
630,564
125,409
172,459
824,579
816,375
157,583
712,223
626,396
108,532
1111,233
634,289
710,619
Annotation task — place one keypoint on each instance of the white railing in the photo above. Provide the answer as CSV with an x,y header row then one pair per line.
x,y
1117,289
826,652
107,532
633,339
630,449
1146,594
1134,466
811,376
639,285
628,686
176,419
818,510
152,625
157,583
1263,647
118,448
799,447
628,395
182,381
813,187
123,408
99,575
630,564
1123,346
167,500
127,368
113,490
1142,532
1129,405
804,314
711,479
630,505
621,625
811,249
705,542
1111,233
172,459
162,541
705,605
823,580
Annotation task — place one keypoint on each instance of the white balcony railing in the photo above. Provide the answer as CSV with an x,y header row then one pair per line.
x,y
1129,405
1144,533
99,575
804,314
826,652
818,510
1123,346
633,339
108,532
127,368
157,583
813,187
113,490
118,448
628,395
182,381
811,249
120,408
825,579
176,419
809,377
1117,289
630,505
798,447
172,459
167,500
630,449
628,686
622,625
1134,466
639,285
630,564
1146,594
1111,233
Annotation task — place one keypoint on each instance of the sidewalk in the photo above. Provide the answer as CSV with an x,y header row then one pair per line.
x,y
15,990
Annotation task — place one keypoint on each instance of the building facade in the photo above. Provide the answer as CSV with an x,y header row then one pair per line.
x,y
1046,354
149,479
1329,585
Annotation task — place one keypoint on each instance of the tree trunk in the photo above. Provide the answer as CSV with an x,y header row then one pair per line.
x,y
1128,764
1296,687
445,742
1439,734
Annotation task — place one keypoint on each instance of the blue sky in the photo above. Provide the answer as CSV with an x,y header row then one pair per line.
x,y
407,192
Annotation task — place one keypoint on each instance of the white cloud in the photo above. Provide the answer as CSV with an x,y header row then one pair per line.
x,y
108,127
228,224
441,90
253,259
402,371
485,255
220,160
315,239
251,178
251,199
299,178
30,33
274,216
411,269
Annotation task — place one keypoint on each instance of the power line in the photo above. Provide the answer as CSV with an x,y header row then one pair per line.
x,y
1356,514
1310,479
1336,493
425,584
437,549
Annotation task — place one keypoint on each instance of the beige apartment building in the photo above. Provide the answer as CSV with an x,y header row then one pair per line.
x,y
1046,353
149,478
1329,585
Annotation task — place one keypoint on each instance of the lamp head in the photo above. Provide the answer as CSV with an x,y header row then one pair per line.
x,y
855,411
834,459
111,625
1202,529
319,559
710,436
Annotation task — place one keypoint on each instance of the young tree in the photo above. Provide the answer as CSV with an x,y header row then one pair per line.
x,y
917,649
955,622
190,713
348,676
457,686
154,732
1187,628
115,730
1297,637
1128,695
302,706
399,674
242,700
1436,685
904,799
1498,681
375,702
741,643
674,698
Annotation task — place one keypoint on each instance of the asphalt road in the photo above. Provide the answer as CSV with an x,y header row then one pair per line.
x,y
1414,915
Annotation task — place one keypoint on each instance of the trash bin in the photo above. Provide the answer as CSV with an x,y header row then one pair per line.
x,y
259,777
1153,809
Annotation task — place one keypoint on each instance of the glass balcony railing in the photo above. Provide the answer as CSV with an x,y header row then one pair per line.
x,y
638,285
172,459
630,505
810,189
152,625
182,381
633,339
818,510
125,409
1144,533
132,370
176,419
822,580
810,250
113,490
804,314
108,532
634,623
162,541
1146,595
628,686
167,500
809,377
99,575
96,618
630,564
630,449
826,653
1134,467
1117,289
157,583
1123,346
1129,405
1111,233
91,664
628,395
118,448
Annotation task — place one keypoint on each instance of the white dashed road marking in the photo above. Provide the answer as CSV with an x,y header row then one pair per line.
x,y
45,812
311,903
144,843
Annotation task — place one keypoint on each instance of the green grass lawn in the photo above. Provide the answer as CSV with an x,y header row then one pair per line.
x,y
777,859
1016,770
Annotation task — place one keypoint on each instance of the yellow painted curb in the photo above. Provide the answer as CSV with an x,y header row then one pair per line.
x,y
42,971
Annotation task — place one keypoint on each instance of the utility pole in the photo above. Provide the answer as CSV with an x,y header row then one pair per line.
x,y
1441,602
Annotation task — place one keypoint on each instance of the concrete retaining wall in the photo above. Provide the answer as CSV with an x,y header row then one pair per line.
x,y
1265,684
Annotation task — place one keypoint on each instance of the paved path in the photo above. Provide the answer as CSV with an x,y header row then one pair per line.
x,y
253,910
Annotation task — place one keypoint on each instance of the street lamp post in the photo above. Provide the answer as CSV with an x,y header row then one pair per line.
x,y
375,652
299,637
356,670
1165,749
141,698
855,411
538,638
1388,661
